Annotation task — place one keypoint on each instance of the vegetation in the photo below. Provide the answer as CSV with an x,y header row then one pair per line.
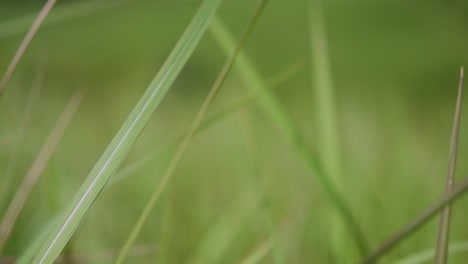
x,y
326,142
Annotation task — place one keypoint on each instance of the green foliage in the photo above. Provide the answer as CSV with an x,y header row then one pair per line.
x,y
358,125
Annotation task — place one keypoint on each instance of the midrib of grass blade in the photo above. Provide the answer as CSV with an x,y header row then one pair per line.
x,y
418,222
327,125
444,222
35,171
59,14
427,255
191,131
135,166
278,115
127,134
25,43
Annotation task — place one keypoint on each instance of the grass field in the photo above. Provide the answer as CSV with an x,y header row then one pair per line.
x,y
330,133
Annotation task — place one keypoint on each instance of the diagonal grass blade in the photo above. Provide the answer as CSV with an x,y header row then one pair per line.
x,y
190,133
126,136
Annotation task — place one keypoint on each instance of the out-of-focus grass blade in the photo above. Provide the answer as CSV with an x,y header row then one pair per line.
x,y
325,96
127,134
207,123
25,43
444,222
36,169
214,245
418,222
128,170
259,253
191,131
27,256
19,134
428,255
327,125
265,208
278,115
59,14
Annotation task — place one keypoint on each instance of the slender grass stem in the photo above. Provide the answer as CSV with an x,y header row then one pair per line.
x,y
281,119
327,125
188,137
35,171
444,222
274,82
20,132
25,43
418,222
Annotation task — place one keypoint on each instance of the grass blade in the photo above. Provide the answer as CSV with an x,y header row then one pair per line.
x,y
278,115
259,253
325,102
126,136
36,169
444,222
207,123
418,222
130,169
215,243
188,137
25,43
29,253
327,123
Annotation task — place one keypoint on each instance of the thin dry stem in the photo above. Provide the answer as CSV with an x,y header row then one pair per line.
x,y
20,132
444,223
190,133
25,43
38,166
418,222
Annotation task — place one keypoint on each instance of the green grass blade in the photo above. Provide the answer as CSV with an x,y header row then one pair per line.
x,y
215,243
25,43
58,15
132,168
126,136
278,115
27,256
265,207
444,222
327,126
259,253
417,223
325,98
207,123
188,137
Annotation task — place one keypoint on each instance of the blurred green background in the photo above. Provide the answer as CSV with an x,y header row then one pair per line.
x,y
395,68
